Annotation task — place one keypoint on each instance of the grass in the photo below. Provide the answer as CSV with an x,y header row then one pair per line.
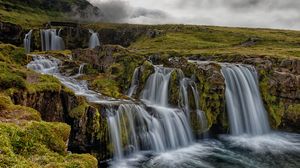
x,y
26,16
209,40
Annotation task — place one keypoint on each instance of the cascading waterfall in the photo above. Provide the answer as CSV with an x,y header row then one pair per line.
x,y
51,40
51,65
27,41
152,126
245,108
94,39
155,127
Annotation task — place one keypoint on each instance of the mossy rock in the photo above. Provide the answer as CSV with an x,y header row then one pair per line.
x,y
39,144
16,113
106,86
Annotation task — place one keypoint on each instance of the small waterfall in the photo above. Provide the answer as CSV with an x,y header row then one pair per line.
x,y
94,40
27,42
51,40
245,108
185,85
156,89
134,82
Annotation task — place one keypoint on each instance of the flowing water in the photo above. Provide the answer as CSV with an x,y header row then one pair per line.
x,y
94,39
27,42
134,82
245,108
153,133
51,40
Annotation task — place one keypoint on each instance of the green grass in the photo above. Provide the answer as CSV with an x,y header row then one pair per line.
x,y
209,40
25,15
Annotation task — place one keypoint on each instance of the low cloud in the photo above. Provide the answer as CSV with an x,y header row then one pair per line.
x,y
246,13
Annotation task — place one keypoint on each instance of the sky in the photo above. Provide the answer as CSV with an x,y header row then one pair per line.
x,y
283,14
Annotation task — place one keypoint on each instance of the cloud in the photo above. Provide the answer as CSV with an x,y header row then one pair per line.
x,y
245,13
122,11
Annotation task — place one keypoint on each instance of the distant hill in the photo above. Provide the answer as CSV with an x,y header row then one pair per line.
x,y
28,13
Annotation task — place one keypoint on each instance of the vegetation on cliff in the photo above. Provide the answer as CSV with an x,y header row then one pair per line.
x,y
26,141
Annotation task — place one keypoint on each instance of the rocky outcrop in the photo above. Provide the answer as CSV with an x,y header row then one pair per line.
x,y
11,33
89,132
53,105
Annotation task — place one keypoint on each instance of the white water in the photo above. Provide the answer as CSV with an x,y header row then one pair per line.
x,y
154,126
50,66
245,108
94,40
27,42
134,82
51,40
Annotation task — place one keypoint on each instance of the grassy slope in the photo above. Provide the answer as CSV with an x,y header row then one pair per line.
x,y
18,13
209,40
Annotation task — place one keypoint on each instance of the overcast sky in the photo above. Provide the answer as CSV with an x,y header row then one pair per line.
x,y
247,13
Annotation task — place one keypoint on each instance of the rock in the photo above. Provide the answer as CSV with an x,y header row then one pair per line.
x,y
10,33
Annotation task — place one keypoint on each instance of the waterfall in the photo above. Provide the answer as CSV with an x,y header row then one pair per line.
x,y
185,85
94,40
27,42
152,125
134,82
51,40
156,89
50,66
245,108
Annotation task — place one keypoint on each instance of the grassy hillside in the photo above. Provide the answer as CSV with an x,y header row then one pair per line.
x,y
208,40
32,13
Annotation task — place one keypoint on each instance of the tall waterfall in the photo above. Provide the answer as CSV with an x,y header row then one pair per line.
x,y
27,41
245,108
94,39
51,40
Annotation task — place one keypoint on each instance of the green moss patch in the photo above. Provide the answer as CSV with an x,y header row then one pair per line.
x,y
39,144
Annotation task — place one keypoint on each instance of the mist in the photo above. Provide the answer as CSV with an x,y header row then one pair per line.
x,y
284,14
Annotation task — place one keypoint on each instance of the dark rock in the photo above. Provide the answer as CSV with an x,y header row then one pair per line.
x,y
11,33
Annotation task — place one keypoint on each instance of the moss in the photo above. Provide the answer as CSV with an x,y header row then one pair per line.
x,y
174,88
274,107
293,112
78,111
106,86
45,83
10,80
9,111
36,144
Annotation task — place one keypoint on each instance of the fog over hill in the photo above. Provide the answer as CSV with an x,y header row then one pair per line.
x,y
246,13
